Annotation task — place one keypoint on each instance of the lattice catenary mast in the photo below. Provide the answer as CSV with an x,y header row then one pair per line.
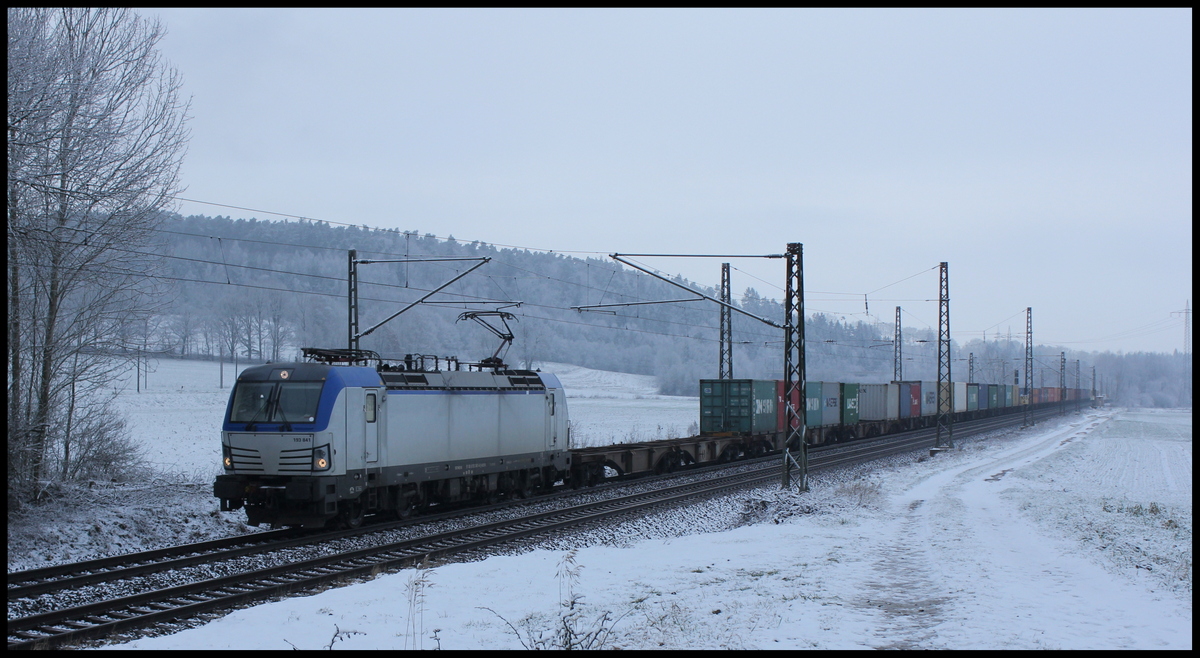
x,y
945,406
725,370
898,367
794,368
1062,383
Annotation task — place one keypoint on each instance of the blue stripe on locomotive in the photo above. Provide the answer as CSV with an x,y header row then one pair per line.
x,y
336,379
439,391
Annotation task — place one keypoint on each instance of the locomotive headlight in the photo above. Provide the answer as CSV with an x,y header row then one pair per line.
x,y
226,458
321,461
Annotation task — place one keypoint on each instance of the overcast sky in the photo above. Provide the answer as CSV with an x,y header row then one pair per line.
x,y
1046,155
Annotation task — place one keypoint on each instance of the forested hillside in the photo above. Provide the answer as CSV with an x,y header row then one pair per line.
x,y
262,289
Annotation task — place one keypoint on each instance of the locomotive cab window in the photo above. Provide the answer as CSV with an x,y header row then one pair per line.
x,y
370,407
298,402
275,402
250,401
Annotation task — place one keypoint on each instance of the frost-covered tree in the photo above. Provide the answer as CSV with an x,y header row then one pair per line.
x,y
96,136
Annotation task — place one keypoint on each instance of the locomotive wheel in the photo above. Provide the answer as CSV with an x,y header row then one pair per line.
x,y
525,488
351,514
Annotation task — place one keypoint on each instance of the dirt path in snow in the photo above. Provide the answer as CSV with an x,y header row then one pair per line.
x,y
958,557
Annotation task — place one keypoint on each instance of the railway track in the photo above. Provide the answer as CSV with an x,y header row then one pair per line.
x,y
66,626
860,451
58,578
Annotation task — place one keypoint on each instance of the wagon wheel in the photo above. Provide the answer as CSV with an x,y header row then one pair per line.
x,y
670,463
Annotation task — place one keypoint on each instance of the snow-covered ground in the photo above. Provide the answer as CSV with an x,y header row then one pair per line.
x,y
1075,534
176,415
615,407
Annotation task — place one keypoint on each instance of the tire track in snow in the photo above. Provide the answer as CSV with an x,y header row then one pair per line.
x,y
1166,468
902,585
901,589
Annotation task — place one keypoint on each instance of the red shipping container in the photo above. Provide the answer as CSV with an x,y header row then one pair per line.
x,y
781,414
910,399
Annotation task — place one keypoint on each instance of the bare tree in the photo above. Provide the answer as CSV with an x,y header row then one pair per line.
x,y
96,138
183,327
277,327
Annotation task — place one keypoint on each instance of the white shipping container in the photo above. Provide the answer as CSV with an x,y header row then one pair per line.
x,y
929,395
831,404
960,396
878,401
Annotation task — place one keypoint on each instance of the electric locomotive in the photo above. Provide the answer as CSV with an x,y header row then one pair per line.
x,y
330,440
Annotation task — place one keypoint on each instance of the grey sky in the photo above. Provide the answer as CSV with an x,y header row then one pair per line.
x,y
1045,154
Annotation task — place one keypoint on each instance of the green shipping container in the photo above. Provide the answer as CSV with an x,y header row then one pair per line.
x,y
813,404
849,404
972,397
993,396
737,405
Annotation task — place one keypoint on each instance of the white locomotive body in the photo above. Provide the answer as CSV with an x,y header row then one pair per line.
x,y
305,443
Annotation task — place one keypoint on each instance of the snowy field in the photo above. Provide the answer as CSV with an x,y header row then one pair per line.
x,y
615,407
971,549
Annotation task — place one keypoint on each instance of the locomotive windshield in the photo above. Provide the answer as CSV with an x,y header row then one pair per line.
x,y
275,402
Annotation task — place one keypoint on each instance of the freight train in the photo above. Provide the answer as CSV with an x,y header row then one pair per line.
x,y
837,411
332,439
